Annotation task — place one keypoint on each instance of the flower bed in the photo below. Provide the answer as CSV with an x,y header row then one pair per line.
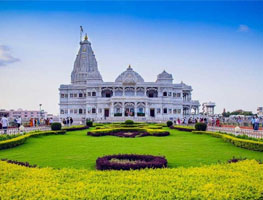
x,y
241,180
121,132
130,161
24,164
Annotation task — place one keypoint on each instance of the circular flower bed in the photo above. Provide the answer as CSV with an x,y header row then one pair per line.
x,y
130,161
128,132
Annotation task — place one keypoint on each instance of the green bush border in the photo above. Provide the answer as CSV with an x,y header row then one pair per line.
x,y
21,139
243,143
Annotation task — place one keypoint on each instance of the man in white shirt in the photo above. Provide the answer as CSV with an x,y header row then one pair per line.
x,y
18,121
5,123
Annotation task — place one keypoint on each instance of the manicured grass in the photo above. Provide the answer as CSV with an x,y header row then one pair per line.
x,y
77,150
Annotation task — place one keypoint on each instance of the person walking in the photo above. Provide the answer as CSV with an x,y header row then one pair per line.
x,y
18,122
256,126
5,123
71,121
253,122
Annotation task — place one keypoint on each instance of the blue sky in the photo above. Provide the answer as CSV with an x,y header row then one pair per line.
x,y
216,46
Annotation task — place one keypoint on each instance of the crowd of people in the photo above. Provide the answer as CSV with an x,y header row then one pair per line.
x,y
68,121
17,122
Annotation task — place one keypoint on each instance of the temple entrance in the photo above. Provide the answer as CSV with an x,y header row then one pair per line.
x,y
106,112
129,112
152,112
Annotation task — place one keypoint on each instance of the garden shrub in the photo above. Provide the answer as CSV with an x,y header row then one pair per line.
x,y
241,180
129,122
56,126
130,161
89,123
200,126
169,123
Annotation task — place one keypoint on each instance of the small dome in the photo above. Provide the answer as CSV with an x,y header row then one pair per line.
x,y
165,77
129,77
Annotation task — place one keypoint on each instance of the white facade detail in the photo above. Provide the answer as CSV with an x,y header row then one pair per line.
x,y
129,97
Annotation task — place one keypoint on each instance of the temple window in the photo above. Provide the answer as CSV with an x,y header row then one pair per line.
x,y
61,111
62,95
169,94
165,94
80,111
66,95
93,94
165,111
93,110
170,111
71,95
75,95
80,95
158,110
89,94
152,92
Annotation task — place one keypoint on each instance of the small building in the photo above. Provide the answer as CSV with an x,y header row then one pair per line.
x,y
209,108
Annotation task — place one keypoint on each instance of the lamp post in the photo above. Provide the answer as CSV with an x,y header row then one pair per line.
x,y
40,111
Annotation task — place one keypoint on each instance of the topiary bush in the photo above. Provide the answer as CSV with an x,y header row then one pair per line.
x,y
129,122
89,123
56,126
200,126
169,123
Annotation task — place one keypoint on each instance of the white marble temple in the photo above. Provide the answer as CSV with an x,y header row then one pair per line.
x,y
129,97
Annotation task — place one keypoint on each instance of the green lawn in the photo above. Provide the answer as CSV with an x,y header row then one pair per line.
x,y
77,150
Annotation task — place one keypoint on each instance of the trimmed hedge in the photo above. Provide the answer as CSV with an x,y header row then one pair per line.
x,y
56,126
183,128
89,123
21,139
169,123
143,161
75,128
246,144
129,122
114,131
200,126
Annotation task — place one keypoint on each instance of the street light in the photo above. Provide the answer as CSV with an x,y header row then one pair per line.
x,y
40,111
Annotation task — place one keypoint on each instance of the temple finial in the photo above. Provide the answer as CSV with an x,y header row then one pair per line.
x,y
86,37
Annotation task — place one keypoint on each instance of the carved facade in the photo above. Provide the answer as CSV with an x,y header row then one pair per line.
x,y
129,97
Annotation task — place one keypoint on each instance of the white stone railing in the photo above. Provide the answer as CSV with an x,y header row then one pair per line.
x,y
13,131
248,132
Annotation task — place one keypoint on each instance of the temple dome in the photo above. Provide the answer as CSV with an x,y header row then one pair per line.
x,y
164,77
129,77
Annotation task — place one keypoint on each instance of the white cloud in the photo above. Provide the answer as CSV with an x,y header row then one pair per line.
x,y
243,28
5,56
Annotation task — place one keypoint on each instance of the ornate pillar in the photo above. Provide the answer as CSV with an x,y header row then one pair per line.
x,y
135,109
